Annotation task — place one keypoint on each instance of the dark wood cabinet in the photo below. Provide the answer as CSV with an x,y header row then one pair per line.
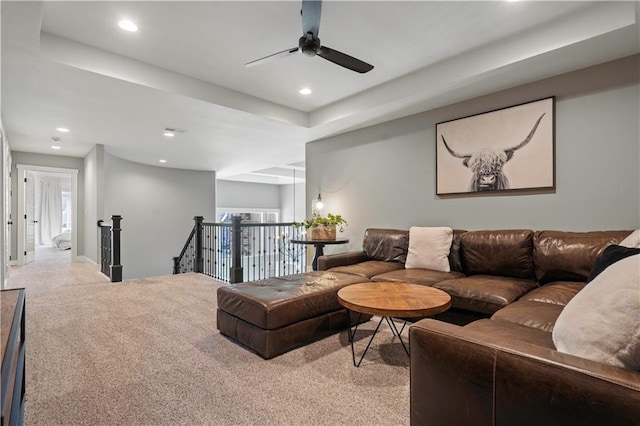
x,y
12,324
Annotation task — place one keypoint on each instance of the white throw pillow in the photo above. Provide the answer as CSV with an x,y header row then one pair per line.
x,y
602,321
429,248
633,240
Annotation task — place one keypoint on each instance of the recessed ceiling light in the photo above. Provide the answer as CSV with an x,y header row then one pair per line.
x,y
128,25
305,91
56,147
163,161
169,134
62,129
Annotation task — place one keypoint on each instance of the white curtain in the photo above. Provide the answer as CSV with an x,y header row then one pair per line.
x,y
50,210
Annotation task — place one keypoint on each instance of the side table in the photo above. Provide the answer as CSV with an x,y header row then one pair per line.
x,y
319,245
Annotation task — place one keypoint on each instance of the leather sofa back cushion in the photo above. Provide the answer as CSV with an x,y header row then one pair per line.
x,y
570,256
386,245
507,253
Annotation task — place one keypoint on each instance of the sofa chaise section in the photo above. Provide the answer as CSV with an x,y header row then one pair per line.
x,y
276,315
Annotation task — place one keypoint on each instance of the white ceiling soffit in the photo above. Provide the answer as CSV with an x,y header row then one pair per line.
x,y
274,175
66,63
443,77
437,85
99,61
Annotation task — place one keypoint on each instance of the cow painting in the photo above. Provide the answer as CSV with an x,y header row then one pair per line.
x,y
487,164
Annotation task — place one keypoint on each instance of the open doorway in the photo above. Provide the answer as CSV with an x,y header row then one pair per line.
x,y
47,214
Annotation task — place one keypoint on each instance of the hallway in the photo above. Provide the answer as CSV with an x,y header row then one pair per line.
x,y
51,273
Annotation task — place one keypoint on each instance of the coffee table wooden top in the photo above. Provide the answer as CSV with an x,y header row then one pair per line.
x,y
394,299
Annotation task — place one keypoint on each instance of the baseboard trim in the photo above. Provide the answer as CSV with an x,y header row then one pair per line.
x,y
84,259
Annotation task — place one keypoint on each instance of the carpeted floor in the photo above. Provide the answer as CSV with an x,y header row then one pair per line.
x,y
147,352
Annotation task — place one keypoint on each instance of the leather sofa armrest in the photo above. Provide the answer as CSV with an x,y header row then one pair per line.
x,y
464,377
340,259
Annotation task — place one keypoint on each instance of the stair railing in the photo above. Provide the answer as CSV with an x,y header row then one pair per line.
x,y
110,248
236,252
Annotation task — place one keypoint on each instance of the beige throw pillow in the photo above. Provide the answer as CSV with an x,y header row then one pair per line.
x,y
429,248
632,241
602,321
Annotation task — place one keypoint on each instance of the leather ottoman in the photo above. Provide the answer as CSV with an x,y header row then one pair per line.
x,y
276,315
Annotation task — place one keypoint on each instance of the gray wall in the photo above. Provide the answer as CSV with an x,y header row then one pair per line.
x,y
232,194
93,199
157,205
5,237
45,160
384,175
290,194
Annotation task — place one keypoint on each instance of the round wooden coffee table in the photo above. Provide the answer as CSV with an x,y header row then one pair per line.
x,y
391,300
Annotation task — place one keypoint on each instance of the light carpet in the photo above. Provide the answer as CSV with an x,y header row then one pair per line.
x,y
147,352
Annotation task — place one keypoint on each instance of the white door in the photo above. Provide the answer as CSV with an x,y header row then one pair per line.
x,y
30,218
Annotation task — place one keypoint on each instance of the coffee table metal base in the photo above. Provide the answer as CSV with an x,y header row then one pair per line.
x,y
392,326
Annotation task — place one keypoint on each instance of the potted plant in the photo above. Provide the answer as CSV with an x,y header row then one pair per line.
x,y
324,227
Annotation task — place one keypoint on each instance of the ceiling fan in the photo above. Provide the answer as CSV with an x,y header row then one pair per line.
x,y
309,43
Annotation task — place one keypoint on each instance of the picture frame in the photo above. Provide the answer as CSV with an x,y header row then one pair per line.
x,y
503,150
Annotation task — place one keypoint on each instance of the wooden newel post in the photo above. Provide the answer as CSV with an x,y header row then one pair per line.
x,y
116,267
199,264
236,273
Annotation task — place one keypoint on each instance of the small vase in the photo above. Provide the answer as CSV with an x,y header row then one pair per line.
x,y
323,232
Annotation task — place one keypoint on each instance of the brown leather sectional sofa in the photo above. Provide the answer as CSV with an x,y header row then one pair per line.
x,y
501,367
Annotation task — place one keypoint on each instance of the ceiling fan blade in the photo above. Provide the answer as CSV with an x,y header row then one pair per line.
x,y
311,11
344,60
270,58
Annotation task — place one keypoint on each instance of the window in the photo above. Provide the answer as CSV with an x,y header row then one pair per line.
x,y
249,215
66,210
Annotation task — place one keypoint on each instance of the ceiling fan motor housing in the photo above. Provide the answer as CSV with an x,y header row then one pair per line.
x,y
309,45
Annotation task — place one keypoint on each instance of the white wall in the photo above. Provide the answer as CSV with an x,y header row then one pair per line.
x,y
384,175
58,161
157,205
93,200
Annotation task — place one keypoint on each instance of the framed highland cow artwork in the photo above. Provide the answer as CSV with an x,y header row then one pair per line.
x,y
498,151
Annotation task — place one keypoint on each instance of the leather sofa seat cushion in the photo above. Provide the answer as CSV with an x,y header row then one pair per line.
x,y
508,331
277,302
386,245
569,256
417,276
558,292
368,269
485,294
508,253
530,314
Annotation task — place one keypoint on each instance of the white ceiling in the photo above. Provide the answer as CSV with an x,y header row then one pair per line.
x,y
68,64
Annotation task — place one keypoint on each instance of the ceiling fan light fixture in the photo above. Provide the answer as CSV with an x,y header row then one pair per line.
x,y
309,44
305,91
127,25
